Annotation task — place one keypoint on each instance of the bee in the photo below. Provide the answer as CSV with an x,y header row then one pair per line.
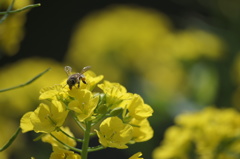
x,y
75,78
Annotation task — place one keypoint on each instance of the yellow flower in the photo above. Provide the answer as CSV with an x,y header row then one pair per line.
x,y
142,131
91,81
192,43
45,118
138,109
114,133
25,122
56,92
211,133
136,156
62,137
175,145
115,93
63,154
84,104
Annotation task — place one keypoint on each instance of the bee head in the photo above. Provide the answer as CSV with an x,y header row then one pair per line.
x,y
71,82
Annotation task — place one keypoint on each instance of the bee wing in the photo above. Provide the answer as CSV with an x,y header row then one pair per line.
x,y
85,69
68,70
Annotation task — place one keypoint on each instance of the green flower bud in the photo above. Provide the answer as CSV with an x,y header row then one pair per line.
x,y
102,109
116,111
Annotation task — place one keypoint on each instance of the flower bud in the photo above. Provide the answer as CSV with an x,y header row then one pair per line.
x,y
102,109
116,111
102,98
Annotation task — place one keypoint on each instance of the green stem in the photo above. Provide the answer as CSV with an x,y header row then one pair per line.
x,y
24,84
86,140
21,9
100,118
96,148
78,122
10,140
39,137
76,139
7,12
70,147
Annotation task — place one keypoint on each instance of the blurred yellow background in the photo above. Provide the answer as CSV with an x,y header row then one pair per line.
x,y
180,58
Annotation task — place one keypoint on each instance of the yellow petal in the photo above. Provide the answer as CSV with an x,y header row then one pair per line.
x,y
25,122
136,156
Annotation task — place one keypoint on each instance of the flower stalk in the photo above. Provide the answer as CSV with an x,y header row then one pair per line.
x,y
86,139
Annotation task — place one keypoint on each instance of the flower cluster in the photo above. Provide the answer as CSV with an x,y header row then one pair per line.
x,y
210,134
116,116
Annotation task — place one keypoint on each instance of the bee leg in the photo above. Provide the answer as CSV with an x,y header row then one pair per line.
x,y
78,84
83,80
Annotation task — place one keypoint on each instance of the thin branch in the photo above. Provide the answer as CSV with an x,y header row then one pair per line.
x,y
21,9
10,141
76,139
78,122
27,83
7,12
96,148
70,147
